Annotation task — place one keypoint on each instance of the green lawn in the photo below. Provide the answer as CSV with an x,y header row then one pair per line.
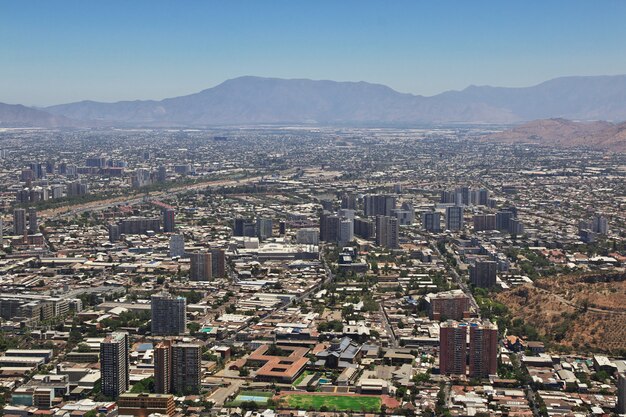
x,y
333,402
301,378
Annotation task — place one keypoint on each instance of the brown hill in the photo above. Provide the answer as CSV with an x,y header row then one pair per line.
x,y
585,313
566,134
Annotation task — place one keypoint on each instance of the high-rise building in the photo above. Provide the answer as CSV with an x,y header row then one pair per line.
x,y
387,232
348,201
449,305
114,364
19,221
308,236
244,227
483,349
169,315
431,221
114,233
483,274
503,219
218,263
516,227
177,246
329,227
484,222
454,218
364,228
264,228
346,231
453,348
599,224
201,269
162,174
163,367
33,226
186,368
169,220
483,197
378,205
405,214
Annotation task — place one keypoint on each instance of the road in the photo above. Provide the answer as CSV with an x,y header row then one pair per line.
x,y
74,210
388,328
459,281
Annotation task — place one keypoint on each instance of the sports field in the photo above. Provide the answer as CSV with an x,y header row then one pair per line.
x,y
259,397
332,402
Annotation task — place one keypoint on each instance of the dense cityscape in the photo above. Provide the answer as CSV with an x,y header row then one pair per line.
x,y
309,271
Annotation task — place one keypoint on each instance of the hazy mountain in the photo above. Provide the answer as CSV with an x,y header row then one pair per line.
x,y
254,100
16,115
566,133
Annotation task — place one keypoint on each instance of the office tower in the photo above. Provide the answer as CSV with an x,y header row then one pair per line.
x,y
348,201
454,218
169,315
19,221
484,222
346,231
186,368
162,174
114,233
387,232
483,349
329,227
364,228
33,227
264,228
282,228
114,364
218,263
163,367
201,269
308,236
453,348
483,274
378,205
177,246
621,393
1,231
431,221
169,220
503,218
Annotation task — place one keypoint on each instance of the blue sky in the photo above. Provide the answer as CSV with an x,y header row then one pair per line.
x,y
60,51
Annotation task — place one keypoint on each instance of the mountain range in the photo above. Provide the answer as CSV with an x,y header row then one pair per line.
x,y
254,100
